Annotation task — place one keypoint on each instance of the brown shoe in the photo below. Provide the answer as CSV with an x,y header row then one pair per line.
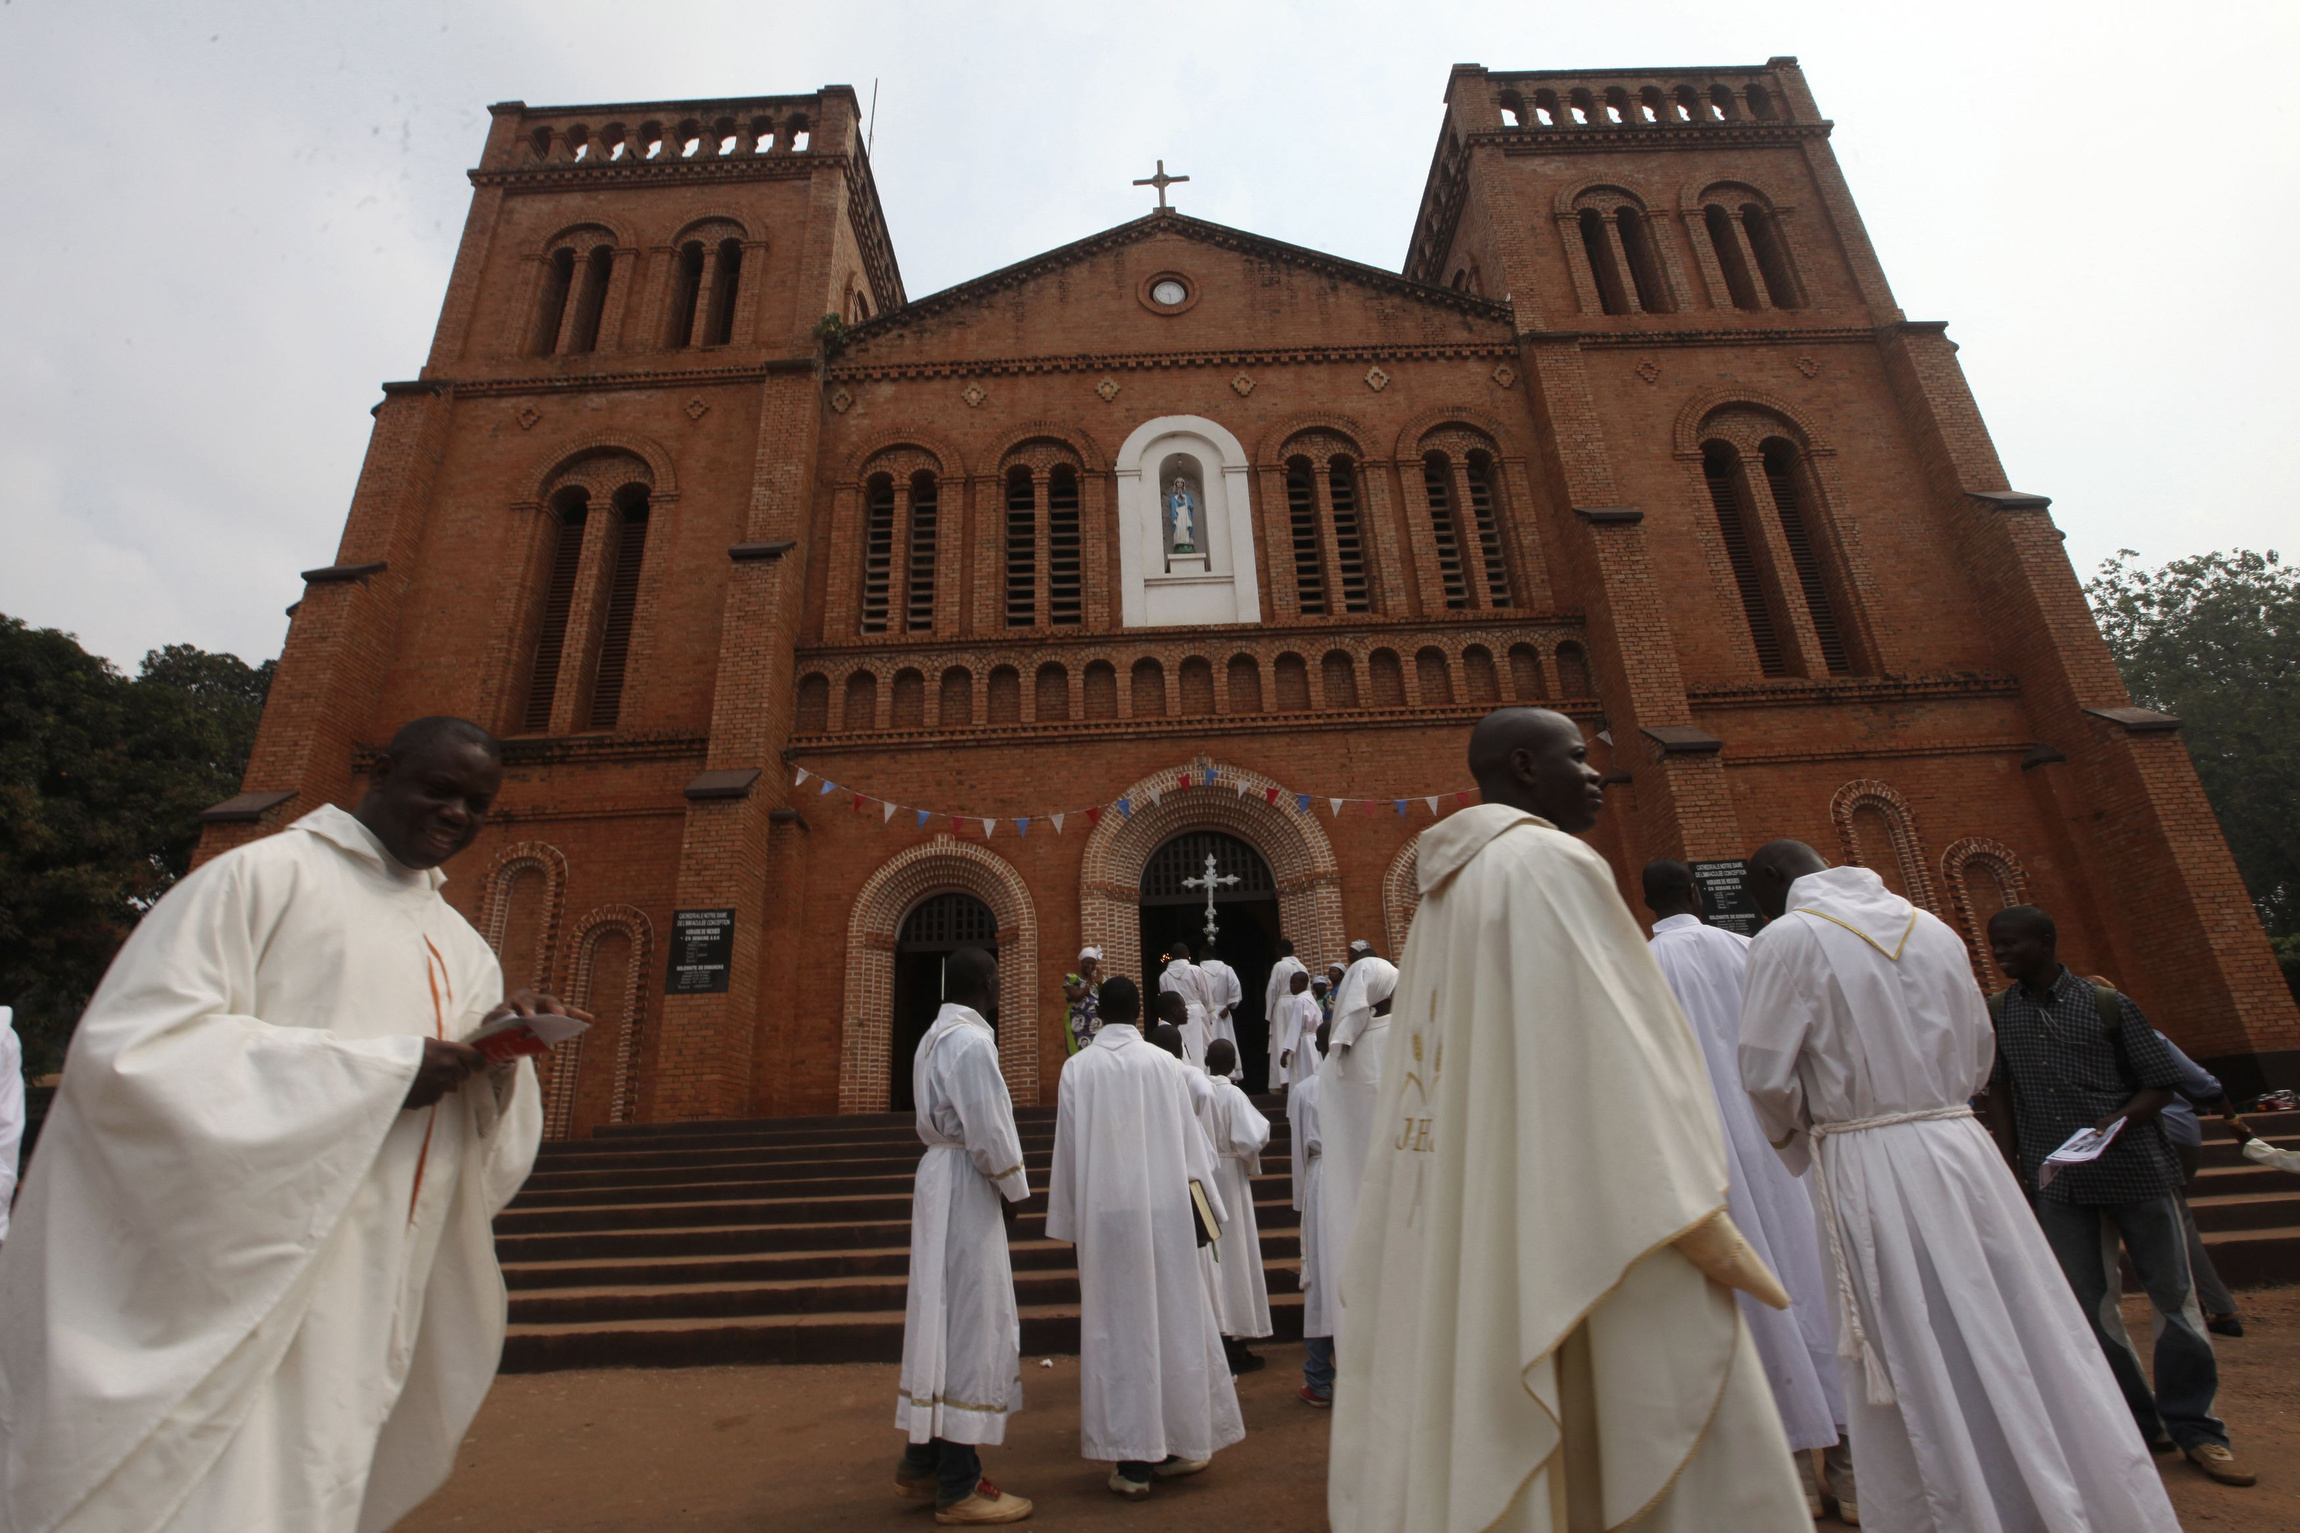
x,y
2220,1464
988,1504
921,1489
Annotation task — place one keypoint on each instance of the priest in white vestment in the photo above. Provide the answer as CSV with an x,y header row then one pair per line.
x,y
1184,978
1978,1400
1274,993
961,1334
1706,967
1225,993
1298,1055
1155,1395
1540,1331
1348,1109
252,1284
1236,1131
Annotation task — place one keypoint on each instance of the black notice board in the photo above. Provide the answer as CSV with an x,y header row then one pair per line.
x,y
702,952
1725,886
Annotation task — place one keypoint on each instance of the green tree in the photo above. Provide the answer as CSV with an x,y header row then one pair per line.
x,y
2216,639
102,778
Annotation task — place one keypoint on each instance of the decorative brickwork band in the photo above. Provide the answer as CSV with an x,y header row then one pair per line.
x,y
532,939
608,1049
1293,844
936,867
1983,877
1906,850
1401,896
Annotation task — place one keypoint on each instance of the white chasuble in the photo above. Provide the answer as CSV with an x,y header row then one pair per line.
x,y
1977,1399
246,1289
1706,967
1274,996
1127,1145
961,1333
1236,1131
1523,1346
1360,1037
1188,981
1302,1019
1224,994
1302,1112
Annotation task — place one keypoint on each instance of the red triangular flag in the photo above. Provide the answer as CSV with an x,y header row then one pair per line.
x,y
1182,781
858,803
1270,795
1094,816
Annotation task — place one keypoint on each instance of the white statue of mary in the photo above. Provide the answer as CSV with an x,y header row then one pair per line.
x,y
1182,516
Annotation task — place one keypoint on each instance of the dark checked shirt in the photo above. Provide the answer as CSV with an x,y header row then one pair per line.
x,y
2063,1070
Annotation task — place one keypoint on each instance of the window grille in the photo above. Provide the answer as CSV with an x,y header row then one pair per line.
x,y
1437,480
1725,496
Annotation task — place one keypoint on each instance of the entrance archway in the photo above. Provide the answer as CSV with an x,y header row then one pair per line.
x,y
1245,916
935,928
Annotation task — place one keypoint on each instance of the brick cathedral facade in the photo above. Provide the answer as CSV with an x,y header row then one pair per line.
x,y
1639,431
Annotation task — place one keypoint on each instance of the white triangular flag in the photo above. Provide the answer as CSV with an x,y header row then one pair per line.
x,y
888,812
1335,804
988,826
1057,819
801,780
1432,802
1154,792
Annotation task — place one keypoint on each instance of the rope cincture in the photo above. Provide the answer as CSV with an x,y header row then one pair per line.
x,y
1852,1341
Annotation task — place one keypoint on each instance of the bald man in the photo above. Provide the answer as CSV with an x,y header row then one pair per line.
x,y
961,1359
1540,1328
1974,1392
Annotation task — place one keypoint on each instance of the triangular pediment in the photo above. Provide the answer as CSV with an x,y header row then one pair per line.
x,y
1089,295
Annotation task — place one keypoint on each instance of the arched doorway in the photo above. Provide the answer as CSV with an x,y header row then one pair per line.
x,y
935,928
1245,918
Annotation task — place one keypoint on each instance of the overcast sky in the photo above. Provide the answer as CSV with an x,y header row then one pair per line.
x,y
222,226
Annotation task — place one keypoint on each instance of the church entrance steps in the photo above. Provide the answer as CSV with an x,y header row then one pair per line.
x,y
778,1240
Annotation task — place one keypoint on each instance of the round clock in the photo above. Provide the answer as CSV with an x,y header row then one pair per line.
x,y
1169,292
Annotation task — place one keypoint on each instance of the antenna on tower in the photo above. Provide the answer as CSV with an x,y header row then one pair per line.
x,y
870,132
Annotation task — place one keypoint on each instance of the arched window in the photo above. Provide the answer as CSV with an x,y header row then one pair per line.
x,y
918,609
577,270
1573,672
726,279
1323,502
1484,505
1292,678
1433,679
1197,687
1876,829
1445,529
1644,261
1783,475
1388,678
706,286
686,288
1021,548
1100,691
955,708
909,701
1349,540
1339,673
564,559
1052,704
1064,588
1005,695
900,500
1478,670
878,551
629,552
813,715
1612,294
1772,253
1732,264
1245,684
1302,520
551,305
861,710
1983,877
1525,679
1720,469
1149,690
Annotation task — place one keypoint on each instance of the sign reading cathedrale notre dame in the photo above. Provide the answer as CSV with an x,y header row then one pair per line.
x,y
702,952
1725,891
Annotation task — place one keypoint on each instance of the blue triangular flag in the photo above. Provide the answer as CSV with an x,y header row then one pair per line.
x,y
828,786
1209,774
922,818
1022,826
1126,808
1301,803
1401,806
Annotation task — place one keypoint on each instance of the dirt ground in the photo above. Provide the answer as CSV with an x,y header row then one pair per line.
x,y
748,1450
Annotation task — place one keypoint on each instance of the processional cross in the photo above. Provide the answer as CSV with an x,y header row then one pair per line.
x,y
1209,883
1162,181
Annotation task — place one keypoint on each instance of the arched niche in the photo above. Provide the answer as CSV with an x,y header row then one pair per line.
x,y
1211,579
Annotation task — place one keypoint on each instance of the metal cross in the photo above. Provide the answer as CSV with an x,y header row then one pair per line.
x,y
1209,883
1161,181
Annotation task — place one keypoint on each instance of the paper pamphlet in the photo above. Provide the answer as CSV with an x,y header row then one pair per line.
x,y
515,1037
2086,1144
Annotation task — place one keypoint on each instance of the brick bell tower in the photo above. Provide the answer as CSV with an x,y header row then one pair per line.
x,y
1703,322
633,304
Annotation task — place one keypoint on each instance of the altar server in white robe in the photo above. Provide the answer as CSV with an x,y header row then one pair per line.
x,y
1274,993
1298,1055
1978,1400
1155,1395
1184,978
961,1335
1225,993
1354,1065
252,1284
1706,967
1540,1330
1317,1317
1237,1132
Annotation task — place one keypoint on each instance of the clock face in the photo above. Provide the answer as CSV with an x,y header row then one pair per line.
x,y
1169,292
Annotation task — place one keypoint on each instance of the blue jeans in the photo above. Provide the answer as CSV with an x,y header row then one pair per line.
x,y
1318,1365
956,1467
2084,1237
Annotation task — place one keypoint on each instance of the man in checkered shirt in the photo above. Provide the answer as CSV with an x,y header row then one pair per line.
x,y
2072,1056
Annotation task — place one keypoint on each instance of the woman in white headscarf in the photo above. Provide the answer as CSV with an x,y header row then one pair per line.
x,y
1361,1034
1083,990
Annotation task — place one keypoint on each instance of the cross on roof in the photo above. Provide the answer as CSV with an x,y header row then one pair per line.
x,y
1161,181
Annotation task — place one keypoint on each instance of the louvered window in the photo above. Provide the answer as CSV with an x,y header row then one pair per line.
x,y
1781,474
622,605
1718,465
1437,480
726,283
1302,517
918,604
1063,556
1021,550
1349,540
1488,519
558,602
878,552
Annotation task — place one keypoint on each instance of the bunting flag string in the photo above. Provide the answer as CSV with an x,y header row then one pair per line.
x,y
859,801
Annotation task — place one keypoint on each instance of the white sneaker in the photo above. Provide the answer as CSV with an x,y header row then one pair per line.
x,y
1132,1490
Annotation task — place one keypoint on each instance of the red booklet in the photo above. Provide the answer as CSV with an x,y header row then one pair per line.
x,y
509,1038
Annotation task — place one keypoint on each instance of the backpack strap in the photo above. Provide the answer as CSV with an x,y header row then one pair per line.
x,y
2112,1023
